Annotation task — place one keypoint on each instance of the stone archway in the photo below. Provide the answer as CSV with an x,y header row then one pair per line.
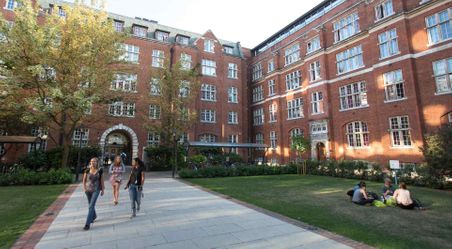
x,y
124,128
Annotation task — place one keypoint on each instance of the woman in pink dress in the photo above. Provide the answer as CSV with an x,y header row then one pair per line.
x,y
116,170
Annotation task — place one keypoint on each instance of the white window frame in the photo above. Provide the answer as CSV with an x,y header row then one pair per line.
x,y
184,88
317,103
10,4
270,66
257,71
271,87
394,86
319,127
84,139
139,31
185,61
292,54
233,71
228,50
349,60
233,139
388,44
208,116
153,139
399,128
154,111
209,67
313,45
258,93
120,109
357,134
155,89
353,96
258,116
346,27
272,113
314,71
209,46
434,24
233,95
36,131
208,92
161,35
124,82
131,53
183,40
158,58
233,118
383,10
295,109
442,74
208,138
293,80
119,26
273,140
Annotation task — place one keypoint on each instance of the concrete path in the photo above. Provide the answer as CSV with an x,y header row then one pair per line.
x,y
174,215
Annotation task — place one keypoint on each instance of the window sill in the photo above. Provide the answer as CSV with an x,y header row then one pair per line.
x,y
233,123
294,118
317,113
206,122
292,90
272,122
356,69
358,148
395,100
315,81
442,93
233,78
230,102
312,52
384,18
429,45
355,108
401,147
208,100
209,75
389,56
271,95
5,8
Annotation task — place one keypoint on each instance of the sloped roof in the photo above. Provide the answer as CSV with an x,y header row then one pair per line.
x,y
19,139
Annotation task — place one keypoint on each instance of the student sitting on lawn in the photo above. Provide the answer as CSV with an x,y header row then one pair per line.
x,y
387,190
357,186
403,197
360,196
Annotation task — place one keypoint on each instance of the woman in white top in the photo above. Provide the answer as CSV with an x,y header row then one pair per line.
x,y
403,197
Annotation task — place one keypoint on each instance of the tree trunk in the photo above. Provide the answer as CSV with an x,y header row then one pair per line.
x,y
66,148
174,171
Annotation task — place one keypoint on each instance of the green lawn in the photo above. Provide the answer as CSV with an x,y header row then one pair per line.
x,y
20,206
321,201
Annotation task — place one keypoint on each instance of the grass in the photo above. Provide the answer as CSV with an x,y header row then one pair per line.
x,y
20,206
321,201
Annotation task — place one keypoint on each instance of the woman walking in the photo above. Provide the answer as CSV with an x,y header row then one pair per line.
x,y
135,185
116,170
93,184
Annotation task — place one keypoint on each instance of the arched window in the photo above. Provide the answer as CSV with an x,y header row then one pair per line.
x,y
357,134
208,138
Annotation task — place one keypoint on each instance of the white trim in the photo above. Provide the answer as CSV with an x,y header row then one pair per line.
x,y
122,127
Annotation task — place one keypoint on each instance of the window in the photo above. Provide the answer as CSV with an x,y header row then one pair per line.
x,y
258,116
439,26
183,138
11,4
161,35
273,140
271,88
184,40
394,88
388,43
155,87
346,27
233,139
383,10
317,103
353,95
131,53
208,92
314,71
257,71
209,46
37,132
139,31
442,71
120,109
228,50
232,71
313,45
258,93
153,139
80,137
185,61
124,82
271,66
154,111
295,108
233,118
184,88
207,116
349,60
319,127
209,67
119,26
158,58
208,138
272,110
295,132
292,54
232,95
259,138
400,131
293,80
357,134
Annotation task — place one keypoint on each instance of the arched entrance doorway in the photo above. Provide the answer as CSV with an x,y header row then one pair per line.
x,y
118,143
321,151
119,138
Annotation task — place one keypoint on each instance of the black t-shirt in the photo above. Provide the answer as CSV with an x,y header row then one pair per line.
x,y
136,175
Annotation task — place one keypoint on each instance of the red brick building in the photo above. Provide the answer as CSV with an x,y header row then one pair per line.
x,y
363,79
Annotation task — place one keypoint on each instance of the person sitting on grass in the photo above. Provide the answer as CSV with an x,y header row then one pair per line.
x,y
387,190
403,197
351,191
360,196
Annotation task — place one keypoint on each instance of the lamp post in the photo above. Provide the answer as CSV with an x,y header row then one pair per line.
x,y
174,170
77,169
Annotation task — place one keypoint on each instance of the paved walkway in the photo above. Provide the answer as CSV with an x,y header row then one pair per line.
x,y
174,215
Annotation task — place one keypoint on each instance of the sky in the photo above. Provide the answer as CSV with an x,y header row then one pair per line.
x,y
247,21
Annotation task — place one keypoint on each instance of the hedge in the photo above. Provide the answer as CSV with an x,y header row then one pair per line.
x,y
248,170
23,176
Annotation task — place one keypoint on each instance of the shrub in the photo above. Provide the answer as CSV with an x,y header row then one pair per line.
x,y
162,157
242,170
23,176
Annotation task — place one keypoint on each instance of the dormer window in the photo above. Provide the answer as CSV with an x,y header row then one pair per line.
x,y
118,25
209,46
182,39
161,35
139,31
228,49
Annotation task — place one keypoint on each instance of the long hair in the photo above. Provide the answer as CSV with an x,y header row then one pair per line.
x,y
97,162
140,163
120,161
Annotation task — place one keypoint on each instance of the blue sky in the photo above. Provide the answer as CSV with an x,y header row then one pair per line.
x,y
247,21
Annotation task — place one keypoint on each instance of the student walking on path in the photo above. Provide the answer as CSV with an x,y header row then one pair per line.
x,y
93,184
116,170
135,185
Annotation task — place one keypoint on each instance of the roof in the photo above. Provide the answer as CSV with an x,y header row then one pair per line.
x,y
226,145
316,12
152,26
19,139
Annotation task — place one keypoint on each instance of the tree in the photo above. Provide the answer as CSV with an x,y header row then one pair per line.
x,y
176,88
438,152
300,144
56,67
